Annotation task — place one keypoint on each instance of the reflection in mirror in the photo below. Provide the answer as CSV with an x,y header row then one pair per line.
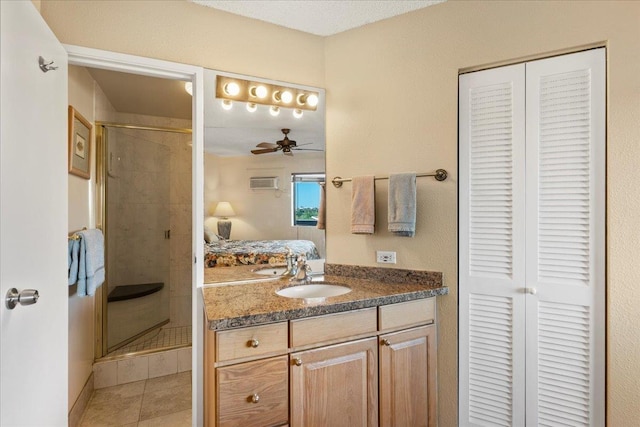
x,y
262,175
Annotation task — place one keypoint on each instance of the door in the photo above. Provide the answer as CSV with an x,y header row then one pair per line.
x,y
335,386
408,378
491,251
33,220
565,239
550,311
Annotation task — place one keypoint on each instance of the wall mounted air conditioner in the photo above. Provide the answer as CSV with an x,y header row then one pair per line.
x,y
263,183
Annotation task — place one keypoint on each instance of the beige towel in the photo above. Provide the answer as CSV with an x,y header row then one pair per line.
x,y
363,211
322,208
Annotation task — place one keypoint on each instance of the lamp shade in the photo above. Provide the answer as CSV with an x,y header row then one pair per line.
x,y
224,210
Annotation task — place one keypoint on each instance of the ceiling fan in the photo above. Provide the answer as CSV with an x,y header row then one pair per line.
x,y
285,144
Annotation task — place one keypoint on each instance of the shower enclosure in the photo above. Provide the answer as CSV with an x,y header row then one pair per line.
x,y
146,208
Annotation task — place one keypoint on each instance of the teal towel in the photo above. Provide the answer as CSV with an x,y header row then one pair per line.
x,y
402,204
74,253
91,269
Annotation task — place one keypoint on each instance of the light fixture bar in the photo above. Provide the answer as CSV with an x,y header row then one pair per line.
x,y
249,91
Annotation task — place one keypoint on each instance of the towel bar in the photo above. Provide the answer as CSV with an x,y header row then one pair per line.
x,y
439,175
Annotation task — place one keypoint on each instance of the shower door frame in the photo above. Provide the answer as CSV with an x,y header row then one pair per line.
x,y
97,58
101,200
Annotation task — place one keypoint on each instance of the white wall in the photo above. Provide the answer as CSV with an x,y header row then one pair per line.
x,y
84,95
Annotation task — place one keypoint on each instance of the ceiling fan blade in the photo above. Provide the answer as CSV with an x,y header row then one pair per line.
x,y
267,145
307,149
264,151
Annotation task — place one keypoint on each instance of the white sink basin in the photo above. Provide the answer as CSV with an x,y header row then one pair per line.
x,y
322,290
271,271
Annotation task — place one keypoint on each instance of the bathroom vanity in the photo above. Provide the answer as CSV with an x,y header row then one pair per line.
x,y
364,358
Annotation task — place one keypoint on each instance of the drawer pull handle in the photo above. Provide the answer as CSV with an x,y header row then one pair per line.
x,y
297,361
254,343
386,342
255,398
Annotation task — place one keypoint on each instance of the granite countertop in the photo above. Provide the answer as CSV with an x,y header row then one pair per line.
x,y
253,302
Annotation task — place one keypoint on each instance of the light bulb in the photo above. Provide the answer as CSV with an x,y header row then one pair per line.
x,y
286,97
312,100
226,104
251,107
258,91
274,111
188,86
297,113
232,88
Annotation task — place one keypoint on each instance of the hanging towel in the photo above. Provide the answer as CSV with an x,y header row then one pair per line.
x,y
363,211
91,269
74,252
322,208
402,204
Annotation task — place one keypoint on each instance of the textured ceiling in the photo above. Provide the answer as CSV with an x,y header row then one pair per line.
x,y
319,17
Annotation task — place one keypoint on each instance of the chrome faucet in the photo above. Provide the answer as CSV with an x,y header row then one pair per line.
x,y
291,268
302,271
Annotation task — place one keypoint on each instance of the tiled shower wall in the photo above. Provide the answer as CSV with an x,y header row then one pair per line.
x,y
152,172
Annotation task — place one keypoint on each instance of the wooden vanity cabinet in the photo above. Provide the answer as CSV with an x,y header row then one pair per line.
x,y
368,367
253,394
408,387
335,385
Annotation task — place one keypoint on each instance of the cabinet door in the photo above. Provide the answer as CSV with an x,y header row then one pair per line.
x,y
335,386
253,393
408,378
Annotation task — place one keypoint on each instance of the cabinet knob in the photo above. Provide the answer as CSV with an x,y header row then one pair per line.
x,y
386,342
255,398
297,361
254,343
531,291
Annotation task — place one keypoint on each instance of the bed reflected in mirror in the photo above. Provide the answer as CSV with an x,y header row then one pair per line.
x,y
264,174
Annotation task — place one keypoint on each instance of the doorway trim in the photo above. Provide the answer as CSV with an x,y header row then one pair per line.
x,y
96,58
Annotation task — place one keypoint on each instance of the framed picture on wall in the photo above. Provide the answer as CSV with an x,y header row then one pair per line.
x,y
80,137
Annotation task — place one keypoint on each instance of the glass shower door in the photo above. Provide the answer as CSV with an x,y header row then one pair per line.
x,y
137,234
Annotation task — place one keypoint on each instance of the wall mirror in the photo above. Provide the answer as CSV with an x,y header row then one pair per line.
x,y
257,203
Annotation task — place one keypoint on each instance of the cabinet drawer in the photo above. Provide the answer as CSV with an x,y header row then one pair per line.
x,y
254,393
332,327
251,342
405,314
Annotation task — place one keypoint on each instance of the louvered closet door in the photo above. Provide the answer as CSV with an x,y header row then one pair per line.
x,y
565,327
491,252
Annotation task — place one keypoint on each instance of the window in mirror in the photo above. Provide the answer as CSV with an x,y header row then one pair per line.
x,y
305,188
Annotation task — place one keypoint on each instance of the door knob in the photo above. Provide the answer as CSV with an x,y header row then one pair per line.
x,y
24,297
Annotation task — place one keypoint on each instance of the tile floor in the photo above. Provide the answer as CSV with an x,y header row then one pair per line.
x,y
160,338
158,402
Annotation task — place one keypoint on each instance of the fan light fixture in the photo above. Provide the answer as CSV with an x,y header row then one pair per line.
x,y
251,92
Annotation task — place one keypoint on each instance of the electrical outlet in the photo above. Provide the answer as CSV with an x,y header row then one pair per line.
x,y
385,257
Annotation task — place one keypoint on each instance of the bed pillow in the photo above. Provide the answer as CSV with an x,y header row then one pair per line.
x,y
209,236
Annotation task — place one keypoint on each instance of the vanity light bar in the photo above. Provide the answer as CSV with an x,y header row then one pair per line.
x,y
234,89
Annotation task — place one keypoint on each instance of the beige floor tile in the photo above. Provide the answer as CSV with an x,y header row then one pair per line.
x,y
165,401
116,411
120,391
168,381
177,419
